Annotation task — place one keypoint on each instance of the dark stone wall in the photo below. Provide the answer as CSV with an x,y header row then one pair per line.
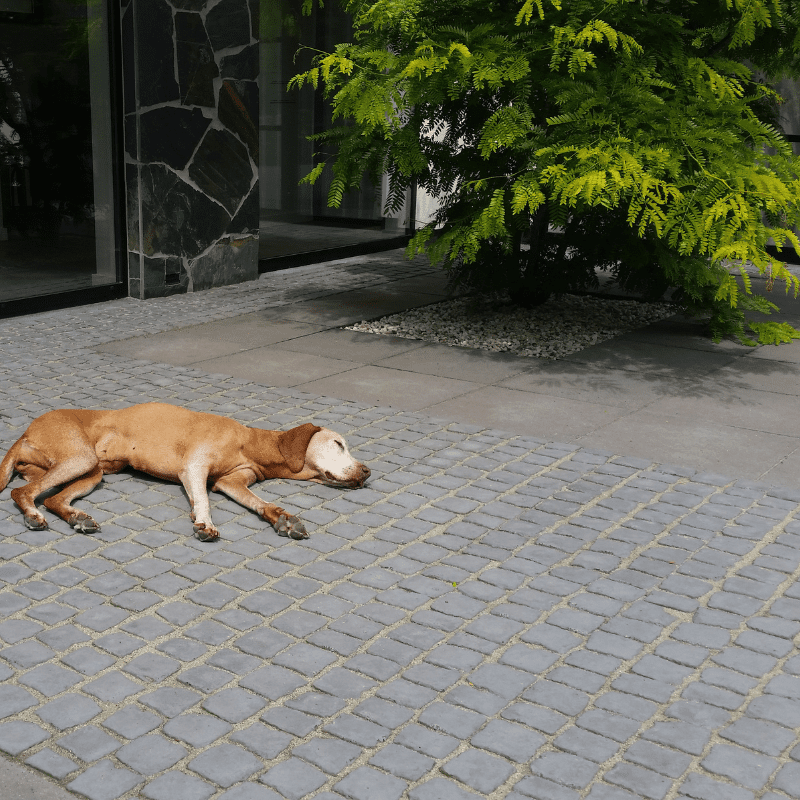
x,y
190,79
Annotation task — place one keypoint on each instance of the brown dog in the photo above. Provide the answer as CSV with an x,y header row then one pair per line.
x,y
75,448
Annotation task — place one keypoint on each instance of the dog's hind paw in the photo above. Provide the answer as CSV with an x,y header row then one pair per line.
x,y
290,525
205,533
35,523
83,523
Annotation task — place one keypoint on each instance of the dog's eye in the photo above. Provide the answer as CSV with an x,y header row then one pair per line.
x,y
341,445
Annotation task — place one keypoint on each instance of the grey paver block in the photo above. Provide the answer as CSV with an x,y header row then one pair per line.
x,y
89,743
151,754
440,789
152,667
587,745
262,642
559,698
120,644
17,736
742,766
402,762
539,787
170,701
51,763
704,788
761,736
357,730
662,760
262,741
225,764
131,722
426,741
788,780
294,778
209,632
178,786
27,654
290,720
700,714
272,681
775,709
317,703
330,755
365,783
552,637
68,711
104,781
250,791
179,612
112,687
87,660
565,769
455,721
305,658
197,730
343,683
50,679
642,781
680,735
509,740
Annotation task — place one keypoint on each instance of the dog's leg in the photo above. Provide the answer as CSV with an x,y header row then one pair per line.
x,y
60,504
235,486
194,479
62,472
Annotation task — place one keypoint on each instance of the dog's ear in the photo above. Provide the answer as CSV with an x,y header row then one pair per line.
x,y
294,443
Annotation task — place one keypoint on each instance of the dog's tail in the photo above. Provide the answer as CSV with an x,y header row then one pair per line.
x,y
8,463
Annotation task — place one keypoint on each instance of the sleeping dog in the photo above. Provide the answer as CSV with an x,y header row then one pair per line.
x,y
75,448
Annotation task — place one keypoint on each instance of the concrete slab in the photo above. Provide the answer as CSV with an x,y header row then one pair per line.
x,y
253,330
711,446
349,307
274,367
457,362
366,348
389,387
786,472
179,348
621,388
625,352
526,412
18,782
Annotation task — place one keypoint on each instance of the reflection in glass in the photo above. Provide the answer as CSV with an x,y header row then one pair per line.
x,y
296,218
56,190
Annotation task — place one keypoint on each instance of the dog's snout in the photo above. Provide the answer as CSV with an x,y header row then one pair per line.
x,y
365,471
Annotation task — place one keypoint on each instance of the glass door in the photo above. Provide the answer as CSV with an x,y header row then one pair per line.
x,y
57,211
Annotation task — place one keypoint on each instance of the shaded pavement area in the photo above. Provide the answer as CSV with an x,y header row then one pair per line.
x,y
564,580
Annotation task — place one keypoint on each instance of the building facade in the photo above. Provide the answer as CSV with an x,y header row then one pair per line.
x,y
151,148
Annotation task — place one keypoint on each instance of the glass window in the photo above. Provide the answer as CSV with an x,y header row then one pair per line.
x,y
57,216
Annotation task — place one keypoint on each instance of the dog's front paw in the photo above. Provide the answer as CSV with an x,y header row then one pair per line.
x,y
205,533
290,525
36,522
83,523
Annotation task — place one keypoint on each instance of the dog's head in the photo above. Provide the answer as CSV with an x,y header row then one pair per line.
x,y
321,455
328,455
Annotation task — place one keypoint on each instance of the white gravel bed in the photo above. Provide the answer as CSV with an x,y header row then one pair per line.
x,y
562,325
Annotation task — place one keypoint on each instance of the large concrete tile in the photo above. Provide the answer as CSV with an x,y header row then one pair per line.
x,y
674,362
361,304
366,348
593,384
709,446
510,410
181,347
734,381
274,367
750,410
788,353
253,330
433,283
441,360
390,387
685,332
786,472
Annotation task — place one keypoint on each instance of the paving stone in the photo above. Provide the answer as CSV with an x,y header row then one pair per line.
x,y
89,743
17,736
509,740
113,687
741,766
50,679
52,763
330,755
152,667
87,660
402,762
67,711
262,741
440,789
197,730
566,769
178,786
131,722
170,701
587,745
703,787
294,778
104,781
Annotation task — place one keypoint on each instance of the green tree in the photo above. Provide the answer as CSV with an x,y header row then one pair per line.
x,y
642,131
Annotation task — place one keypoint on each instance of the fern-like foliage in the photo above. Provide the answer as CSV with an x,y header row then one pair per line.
x,y
642,130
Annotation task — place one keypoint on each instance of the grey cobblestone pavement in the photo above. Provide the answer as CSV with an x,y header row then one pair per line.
x,y
493,615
